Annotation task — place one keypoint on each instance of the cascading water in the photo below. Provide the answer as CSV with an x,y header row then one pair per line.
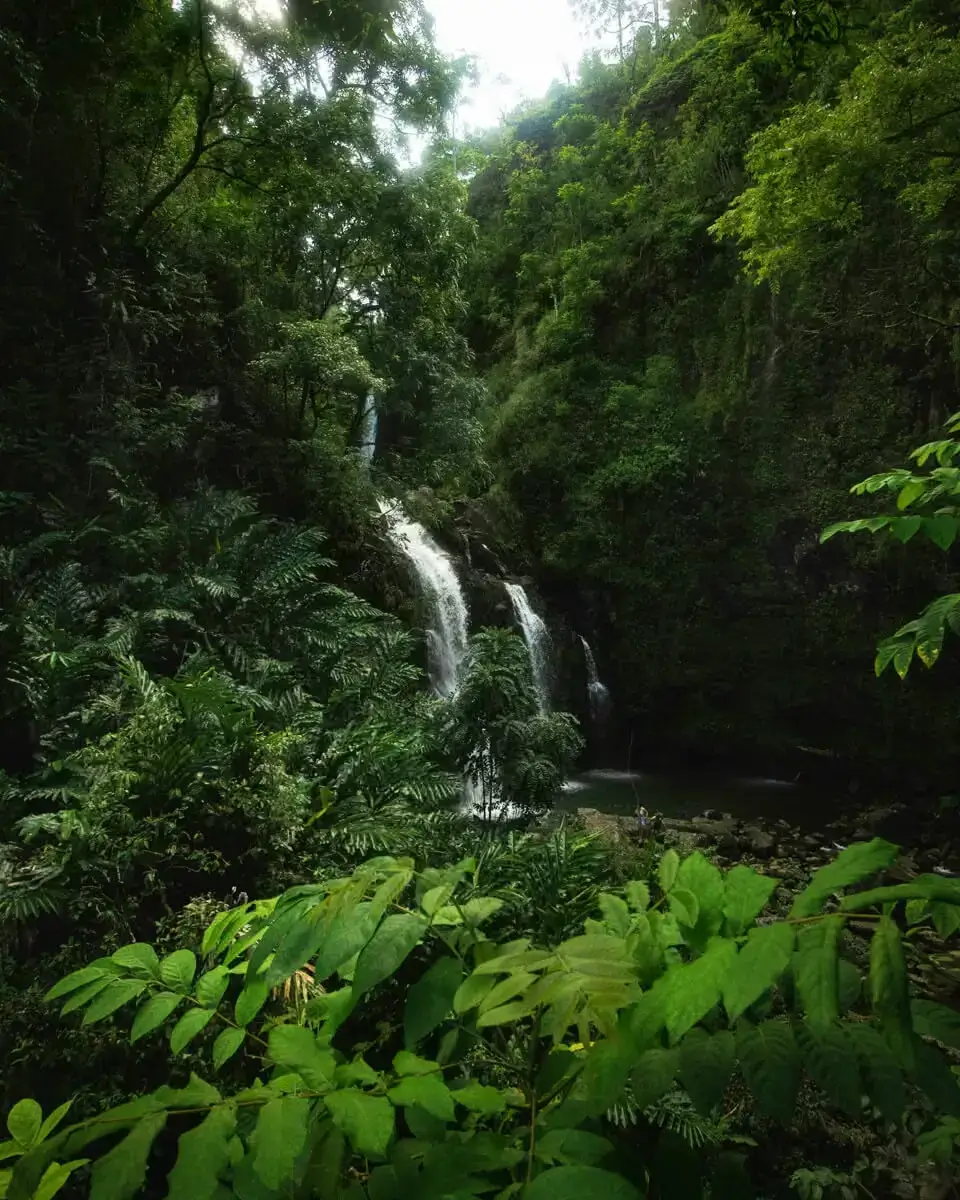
x,y
447,630
598,693
537,637
368,428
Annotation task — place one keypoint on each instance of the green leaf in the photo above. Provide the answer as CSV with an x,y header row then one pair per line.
x,y
770,1063
79,979
349,932
933,1074
572,1146
480,1098
699,876
427,1091
87,993
112,998
53,1120
394,939
831,1062
857,862
580,1183
366,1120
941,529
227,1044
936,1021
684,906
815,971
653,1075
472,991
945,917
638,895
668,870
691,990
203,1153
279,1136
195,1094
178,969
140,957
881,1072
121,1173
250,1001
405,1063
24,1122
912,490
888,987
295,1047
211,986
152,1013
480,909
505,1014
706,1064
187,1028
745,893
430,1001
849,984
54,1178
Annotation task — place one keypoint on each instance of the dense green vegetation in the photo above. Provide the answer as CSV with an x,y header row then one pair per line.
x,y
713,288
638,343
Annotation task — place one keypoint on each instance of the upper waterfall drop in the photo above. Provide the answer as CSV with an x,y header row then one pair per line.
x,y
597,691
537,637
368,428
449,616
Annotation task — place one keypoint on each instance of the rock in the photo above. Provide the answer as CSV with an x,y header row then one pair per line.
x,y
728,845
758,842
710,814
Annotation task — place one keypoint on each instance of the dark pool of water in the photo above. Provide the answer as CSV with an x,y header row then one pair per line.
x,y
687,794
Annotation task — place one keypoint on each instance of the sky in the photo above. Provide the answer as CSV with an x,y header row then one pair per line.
x,y
522,46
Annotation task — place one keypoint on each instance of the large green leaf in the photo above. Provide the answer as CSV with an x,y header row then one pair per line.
x,y
112,998
178,969
889,989
881,1071
816,971
831,1061
187,1028
140,957
347,935
744,895
852,865
250,1001
427,1091
770,1062
480,1098
706,1064
757,967
202,1154
700,877
653,1075
580,1183
394,939
936,1021
226,1045
572,1146
24,1122
668,870
296,1048
278,1138
211,986
120,1174
689,991
430,1000
366,1120
80,979
153,1013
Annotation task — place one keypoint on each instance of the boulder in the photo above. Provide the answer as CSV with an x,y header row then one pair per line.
x,y
758,842
728,844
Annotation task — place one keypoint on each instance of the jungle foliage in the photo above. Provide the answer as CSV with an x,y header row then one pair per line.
x,y
714,285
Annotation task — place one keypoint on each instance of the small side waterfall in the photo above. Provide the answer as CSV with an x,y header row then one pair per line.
x,y
537,637
596,690
368,428
447,631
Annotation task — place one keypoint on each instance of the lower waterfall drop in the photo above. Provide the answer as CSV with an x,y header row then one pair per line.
x,y
597,692
537,637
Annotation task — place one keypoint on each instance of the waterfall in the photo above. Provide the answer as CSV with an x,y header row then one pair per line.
x,y
537,637
448,620
368,428
597,691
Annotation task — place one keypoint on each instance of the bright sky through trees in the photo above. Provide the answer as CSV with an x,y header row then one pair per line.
x,y
521,45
